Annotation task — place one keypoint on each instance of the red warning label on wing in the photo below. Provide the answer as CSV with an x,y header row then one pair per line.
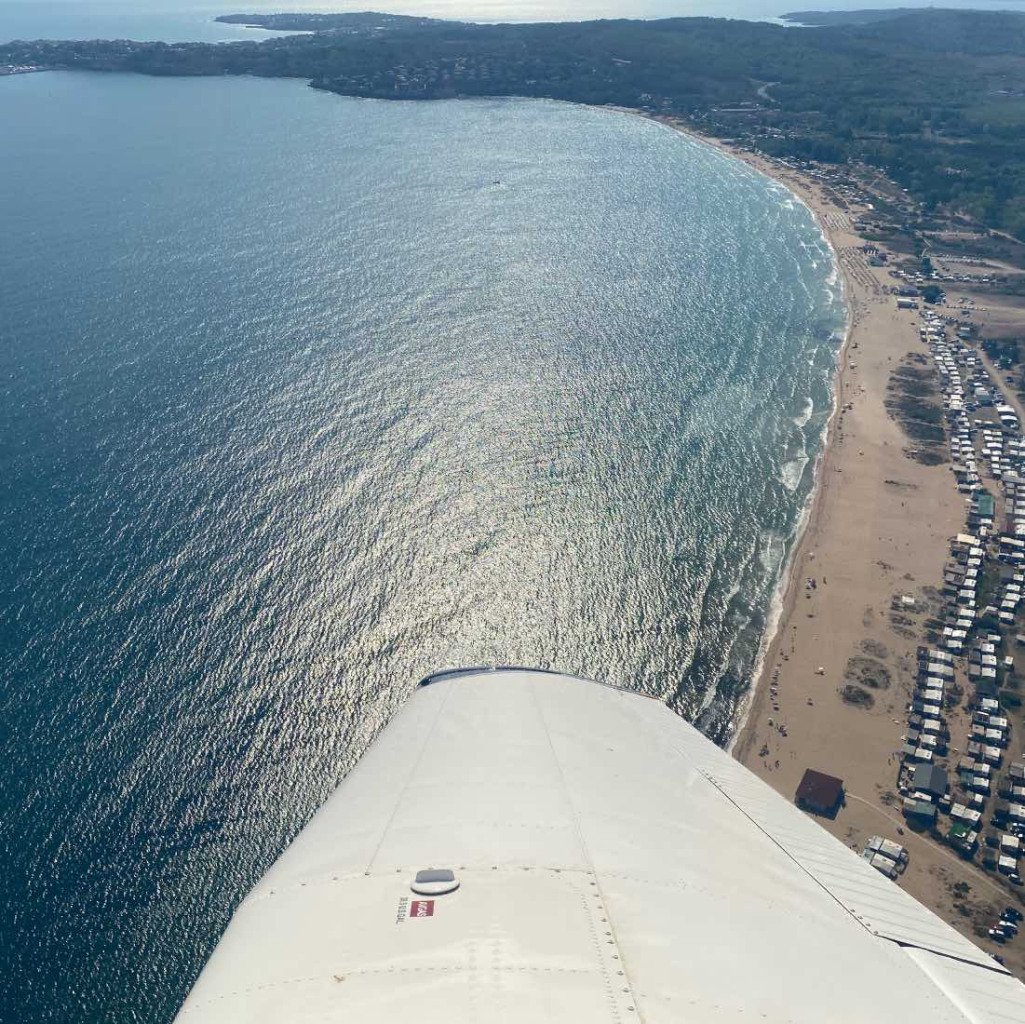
x,y
421,908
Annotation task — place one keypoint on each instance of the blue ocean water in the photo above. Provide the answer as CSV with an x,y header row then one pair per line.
x,y
304,397
119,19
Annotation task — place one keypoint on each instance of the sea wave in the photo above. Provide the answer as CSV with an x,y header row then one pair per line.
x,y
399,421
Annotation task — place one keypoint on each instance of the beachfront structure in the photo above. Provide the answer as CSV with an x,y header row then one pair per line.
x,y
977,446
1014,811
1012,549
888,848
963,838
931,779
819,793
992,755
919,812
959,812
927,654
884,865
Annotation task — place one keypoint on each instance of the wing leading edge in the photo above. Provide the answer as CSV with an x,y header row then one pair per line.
x,y
611,865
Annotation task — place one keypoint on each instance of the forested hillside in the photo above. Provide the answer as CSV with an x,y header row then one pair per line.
x,y
937,98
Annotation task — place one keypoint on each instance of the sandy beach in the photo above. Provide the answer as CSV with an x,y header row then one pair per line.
x,y
878,528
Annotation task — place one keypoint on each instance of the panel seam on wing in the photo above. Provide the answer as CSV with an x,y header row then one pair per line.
x,y
428,733
622,974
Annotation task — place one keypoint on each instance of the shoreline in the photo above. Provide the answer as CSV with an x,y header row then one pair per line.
x,y
784,592
878,531
783,599
785,584
787,591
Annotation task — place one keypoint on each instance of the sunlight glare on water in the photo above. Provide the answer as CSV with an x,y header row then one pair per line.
x,y
306,397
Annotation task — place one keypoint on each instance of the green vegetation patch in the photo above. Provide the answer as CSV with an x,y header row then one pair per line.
x,y
868,672
857,696
935,98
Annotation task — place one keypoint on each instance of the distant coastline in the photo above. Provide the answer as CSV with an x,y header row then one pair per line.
x,y
786,584
308,21
876,524
910,93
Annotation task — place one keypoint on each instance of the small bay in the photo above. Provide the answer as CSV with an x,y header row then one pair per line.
x,y
305,397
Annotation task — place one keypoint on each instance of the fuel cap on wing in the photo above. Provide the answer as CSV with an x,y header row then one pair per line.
x,y
434,882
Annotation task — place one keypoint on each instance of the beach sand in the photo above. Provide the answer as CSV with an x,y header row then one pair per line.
x,y
879,527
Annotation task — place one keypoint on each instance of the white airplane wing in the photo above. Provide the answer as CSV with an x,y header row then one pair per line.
x,y
603,861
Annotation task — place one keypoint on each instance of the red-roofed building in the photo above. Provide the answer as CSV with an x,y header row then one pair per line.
x,y
820,793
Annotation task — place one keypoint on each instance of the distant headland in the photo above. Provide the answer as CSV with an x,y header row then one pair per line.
x,y
300,21
935,98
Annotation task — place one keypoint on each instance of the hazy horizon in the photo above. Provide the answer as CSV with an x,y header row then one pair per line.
x,y
163,19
